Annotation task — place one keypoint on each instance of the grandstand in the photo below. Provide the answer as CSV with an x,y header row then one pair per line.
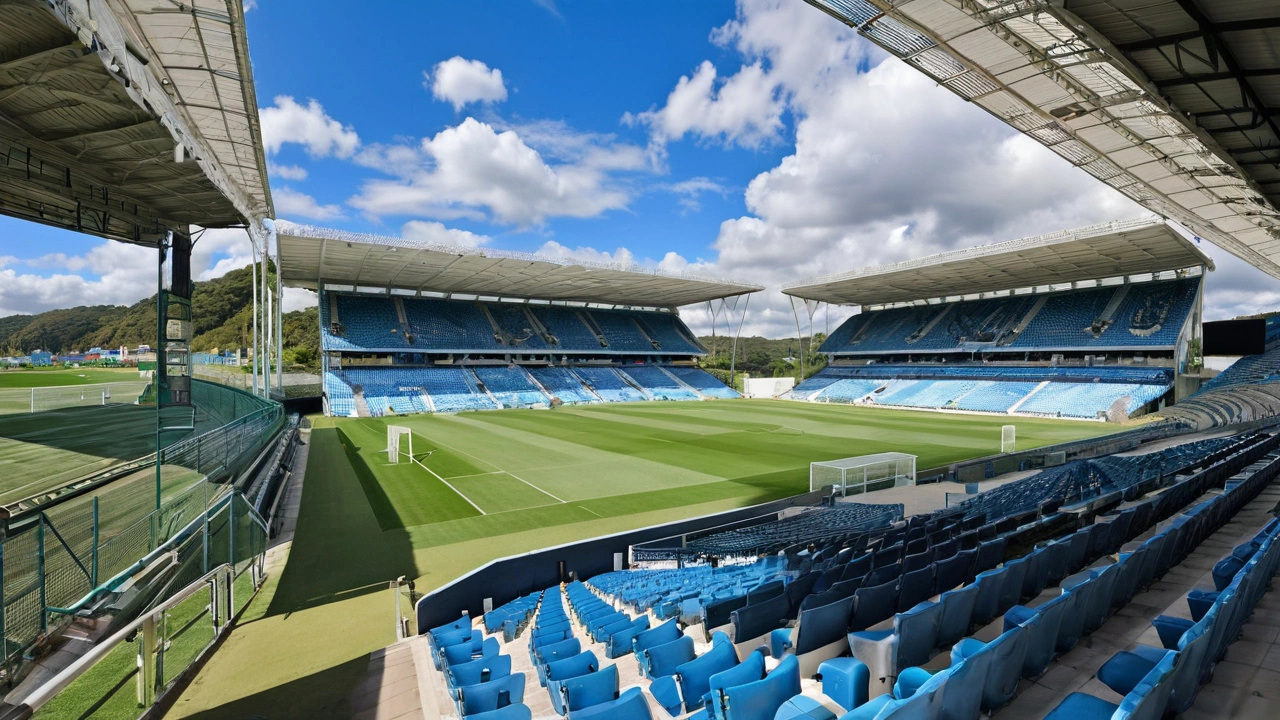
x,y
868,614
459,329
1092,323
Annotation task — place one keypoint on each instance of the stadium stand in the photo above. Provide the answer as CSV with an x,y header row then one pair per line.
x,y
1139,315
885,611
1080,392
389,348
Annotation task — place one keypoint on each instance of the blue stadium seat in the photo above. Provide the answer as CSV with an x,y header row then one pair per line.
x,y
761,699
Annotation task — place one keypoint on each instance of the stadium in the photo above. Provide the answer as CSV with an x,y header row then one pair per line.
x,y
520,487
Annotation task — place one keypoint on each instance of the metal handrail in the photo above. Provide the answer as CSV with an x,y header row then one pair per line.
x,y
50,689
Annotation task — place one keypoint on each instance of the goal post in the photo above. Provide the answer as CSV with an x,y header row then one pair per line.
x,y
394,433
1008,438
865,473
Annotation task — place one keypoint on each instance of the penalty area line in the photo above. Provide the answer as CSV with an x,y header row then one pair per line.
x,y
447,484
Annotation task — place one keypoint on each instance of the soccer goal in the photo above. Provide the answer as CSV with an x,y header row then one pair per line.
x,y
394,433
864,473
1008,438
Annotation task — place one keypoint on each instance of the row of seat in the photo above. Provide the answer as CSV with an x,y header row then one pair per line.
x,y
1173,673
478,677
405,390
1033,636
365,323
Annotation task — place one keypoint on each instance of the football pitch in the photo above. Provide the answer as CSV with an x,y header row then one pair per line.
x,y
494,484
585,462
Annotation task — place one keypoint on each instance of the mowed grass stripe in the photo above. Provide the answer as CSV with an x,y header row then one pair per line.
x,y
501,492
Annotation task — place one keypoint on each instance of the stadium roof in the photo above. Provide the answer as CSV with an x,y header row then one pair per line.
x,y
124,118
1174,103
1129,247
311,256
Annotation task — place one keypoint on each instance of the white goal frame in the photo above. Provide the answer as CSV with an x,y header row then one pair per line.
x,y
855,475
394,433
1008,438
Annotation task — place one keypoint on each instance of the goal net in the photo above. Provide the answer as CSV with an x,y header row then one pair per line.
x,y
1008,438
42,399
864,473
394,434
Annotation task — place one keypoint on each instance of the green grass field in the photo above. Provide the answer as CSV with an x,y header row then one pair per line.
x,y
502,483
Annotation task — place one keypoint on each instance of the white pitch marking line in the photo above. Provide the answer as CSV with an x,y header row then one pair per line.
x,y
446,482
486,462
495,472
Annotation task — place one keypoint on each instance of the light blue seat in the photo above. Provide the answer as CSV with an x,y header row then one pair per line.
x,y
663,660
918,697
690,683
466,652
749,670
584,691
1147,701
619,641
493,695
478,671
666,632
630,705
845,681
761,699
514,711
1007,653
580,664
552,653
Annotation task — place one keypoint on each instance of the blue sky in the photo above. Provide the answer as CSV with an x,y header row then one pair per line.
x,y
757,139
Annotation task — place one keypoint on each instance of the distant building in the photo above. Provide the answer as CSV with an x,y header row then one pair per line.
x,y
40,358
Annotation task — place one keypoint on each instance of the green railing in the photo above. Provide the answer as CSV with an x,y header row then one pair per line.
x,y
66,555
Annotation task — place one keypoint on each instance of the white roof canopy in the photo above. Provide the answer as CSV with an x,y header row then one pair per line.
x,y
126,118
1172,107
311,257
1130,247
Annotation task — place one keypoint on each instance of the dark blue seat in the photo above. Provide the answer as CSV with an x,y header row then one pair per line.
x,y
957,611
1042,639
1125,670
819,635
1007,651
990,554
1011,590
986,604
1071,628
915,588
756,620
1037,574
954,571
1147,701
874,604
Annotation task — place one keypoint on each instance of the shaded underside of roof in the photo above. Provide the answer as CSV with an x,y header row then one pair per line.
x,y
1131,247
95,100
1170,102
311,257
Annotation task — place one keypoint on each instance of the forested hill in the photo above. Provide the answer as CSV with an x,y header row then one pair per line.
x,y
221,314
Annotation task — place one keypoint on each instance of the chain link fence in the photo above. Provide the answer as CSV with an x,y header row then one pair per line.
x,y
58,556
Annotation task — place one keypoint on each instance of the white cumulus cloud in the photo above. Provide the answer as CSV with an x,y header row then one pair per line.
x,y
460,82
433,232
308,125
476,171
290,202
